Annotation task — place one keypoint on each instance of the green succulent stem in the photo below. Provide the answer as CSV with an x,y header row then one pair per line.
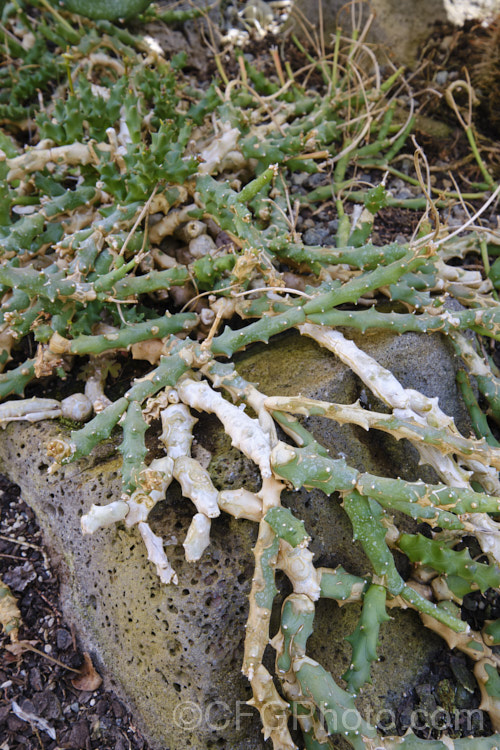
x,y
364,640
157,328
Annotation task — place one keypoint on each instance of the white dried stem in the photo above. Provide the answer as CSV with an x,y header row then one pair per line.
x,y
297,565
214,156
190,230
197,538
257,626
156,554
100,516
469,642
274,711
37,159
487,532
151,351
405,402
177,430
160,204
162,260
202,245
241,504
408,428
442,592
95,381
197,486
166,226
154,482
246,433
156,404
77,407
474,362
29,409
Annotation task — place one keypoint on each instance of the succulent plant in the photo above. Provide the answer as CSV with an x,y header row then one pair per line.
x,y
101,258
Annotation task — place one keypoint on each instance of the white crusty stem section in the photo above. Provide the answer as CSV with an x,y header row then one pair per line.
x,y
487,532
177,436
241,504
249,394
406,403
197,538
36,159
246,433
297,565
100,516
156,554
442,592
487,476
169,223
274,711
221,149
474,362
155,481
478,452
196,484
29,409
95,382
177,430
259,615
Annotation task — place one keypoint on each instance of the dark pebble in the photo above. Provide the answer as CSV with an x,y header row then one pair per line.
x,y
35,678
47,705
314,236
330,240
102,707
63,639
18,578
118,709
78,738
316,179
84,696
23,740
223,239
27,705
14,723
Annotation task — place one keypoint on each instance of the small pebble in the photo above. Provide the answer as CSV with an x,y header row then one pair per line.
x,y
63,639
314,236
404,194
442,77
315,180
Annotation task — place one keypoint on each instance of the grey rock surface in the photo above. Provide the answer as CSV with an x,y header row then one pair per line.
x,y
174,653
399,27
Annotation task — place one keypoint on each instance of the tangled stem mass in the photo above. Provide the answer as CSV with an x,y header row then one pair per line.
x,y
144,212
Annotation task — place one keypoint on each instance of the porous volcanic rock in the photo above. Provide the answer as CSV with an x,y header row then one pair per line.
x,y
174,652
397,26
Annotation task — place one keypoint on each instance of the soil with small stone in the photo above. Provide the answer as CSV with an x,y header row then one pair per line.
x,y
39,683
